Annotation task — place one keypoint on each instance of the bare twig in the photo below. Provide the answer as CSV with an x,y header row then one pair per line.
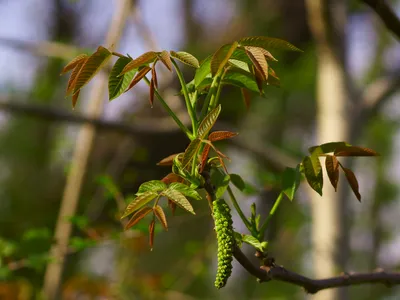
x,y
386,14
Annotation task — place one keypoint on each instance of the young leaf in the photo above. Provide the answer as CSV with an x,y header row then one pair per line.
x,y
208,122
171,177
259,77
74,75
139,76
185,190
290,182
151,92
313,173
251,240
178,198
221,135
154,75
172,206
159,212
258,59
354,151
144,59
75,98
118,84
238,182
166,59
186,58
329,147
152,185
352,180
139,202
246,97
332,168
203,71
139,215
267,54
204,157
221,57
74,63
220,181
92,65
151,233
268,43
167,161
190,152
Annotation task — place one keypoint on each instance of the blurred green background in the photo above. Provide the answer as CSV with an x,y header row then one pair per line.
x,y
39,129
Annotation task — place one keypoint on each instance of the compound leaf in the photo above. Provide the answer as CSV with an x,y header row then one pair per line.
x,y
152,185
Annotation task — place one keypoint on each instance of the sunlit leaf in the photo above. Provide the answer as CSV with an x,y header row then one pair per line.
x,y
190,152
144,59
258,59
221,57
139,76
118,84
139,202
139,215
251,240
166,59
313,173
171,177
92,65
74,75
73,63
291,182
151,233
152,185
208,122
352,180
268,43
178,198
332,168
186,58
167,161
221,135
159,213
354,151
185,190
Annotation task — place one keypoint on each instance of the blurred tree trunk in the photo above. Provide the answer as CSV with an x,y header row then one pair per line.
x,y
327,21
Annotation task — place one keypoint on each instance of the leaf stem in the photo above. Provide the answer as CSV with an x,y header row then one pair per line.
x,y
271,213
190,108
170,112
238,209
214,100
117,54
210,96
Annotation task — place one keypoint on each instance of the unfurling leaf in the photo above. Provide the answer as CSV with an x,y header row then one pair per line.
x,y
332,168
118,84
166,59
139,202
246,97
92,65
144,59
186,58
167,161
74,75
268,43
171,177
178,198
290,182
190,152
352,180
258,59
139,76
74,63
355,151
151,91
204,157
221,135
313,173
139,215
159,213
221,57
208,122
152,185
185,190
151,233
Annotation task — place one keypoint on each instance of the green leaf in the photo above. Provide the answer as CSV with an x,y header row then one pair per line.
x,y
178,198
186,58
203,71
7,248
152,185
185,190
251,240
221,57
36,233
190,152
91,67
208,122
291,181
313,172
268,43
221,182
118,84
139,202
144,59
238,182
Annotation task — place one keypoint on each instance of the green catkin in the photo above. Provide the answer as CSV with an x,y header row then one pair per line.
x,y
226,241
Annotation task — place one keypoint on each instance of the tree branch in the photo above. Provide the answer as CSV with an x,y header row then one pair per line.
x,y
386,14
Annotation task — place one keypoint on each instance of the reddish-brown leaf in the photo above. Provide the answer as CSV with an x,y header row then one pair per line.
x,y
172,206
159,212
204,157
352,180
167,161
154,75
332,168
258,59
151,91
151,233
221,135
355,151
73,63
166,59
172,177
74,75
140,214
143,59
139,76
246,97
267,54
259,79
75,98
